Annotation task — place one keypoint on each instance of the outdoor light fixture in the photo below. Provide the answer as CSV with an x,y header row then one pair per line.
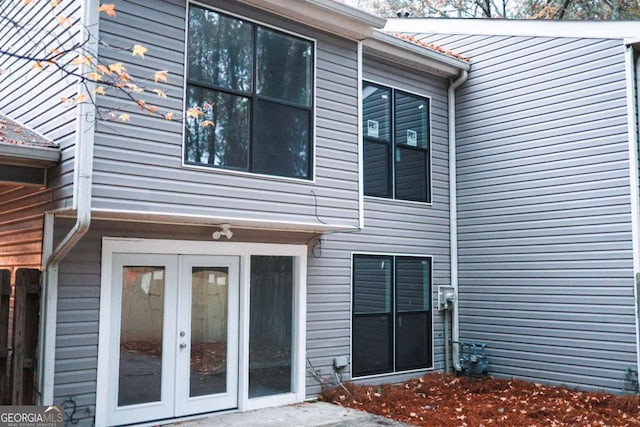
x,y
224,231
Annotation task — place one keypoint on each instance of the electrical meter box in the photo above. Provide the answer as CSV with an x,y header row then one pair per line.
x,y
446,297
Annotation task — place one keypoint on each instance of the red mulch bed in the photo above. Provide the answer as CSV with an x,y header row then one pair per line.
x,y
441,400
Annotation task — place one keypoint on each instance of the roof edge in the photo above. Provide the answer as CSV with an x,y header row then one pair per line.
x,y
29,155
516,27
389,47
329,15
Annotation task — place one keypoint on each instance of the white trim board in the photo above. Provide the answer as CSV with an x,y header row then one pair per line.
x,y
516,27
111,246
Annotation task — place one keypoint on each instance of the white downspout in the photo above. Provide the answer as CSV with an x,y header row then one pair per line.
x,y
636,288
360,143
633,83
82,203
453,218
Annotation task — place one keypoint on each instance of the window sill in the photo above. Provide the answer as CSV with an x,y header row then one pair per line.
x,y
392,374
398,201
248,174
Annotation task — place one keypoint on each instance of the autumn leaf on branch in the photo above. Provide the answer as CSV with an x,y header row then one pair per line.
x,y
139,50
108,8
195,112
160,76
72,50
160,93
63,21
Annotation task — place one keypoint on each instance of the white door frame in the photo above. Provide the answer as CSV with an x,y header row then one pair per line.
x,y
164,407
243,251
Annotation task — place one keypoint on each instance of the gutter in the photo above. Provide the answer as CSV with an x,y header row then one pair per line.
x,y
453,218
82,202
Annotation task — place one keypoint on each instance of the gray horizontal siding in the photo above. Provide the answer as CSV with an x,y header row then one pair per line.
x,y
391,227
34,98
76,360
544,224
138,164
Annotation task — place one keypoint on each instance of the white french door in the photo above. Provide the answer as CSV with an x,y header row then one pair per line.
x,y
173,336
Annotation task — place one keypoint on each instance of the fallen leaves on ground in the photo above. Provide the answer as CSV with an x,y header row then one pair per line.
x,y
442,400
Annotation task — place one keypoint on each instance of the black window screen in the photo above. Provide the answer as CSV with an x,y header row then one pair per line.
x,y
392,324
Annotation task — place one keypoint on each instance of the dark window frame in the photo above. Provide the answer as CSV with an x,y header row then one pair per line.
x,y
392,145
393,315
255,98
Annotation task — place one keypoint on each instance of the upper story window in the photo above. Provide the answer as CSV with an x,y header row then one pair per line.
x,y
254,88
396,144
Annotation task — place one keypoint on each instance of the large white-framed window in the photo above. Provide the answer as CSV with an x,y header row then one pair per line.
x,y
250,94
392,324
397,143
271,285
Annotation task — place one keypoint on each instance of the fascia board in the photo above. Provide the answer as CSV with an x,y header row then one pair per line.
x,y
327,15
172,218
28,155
516,27
391,48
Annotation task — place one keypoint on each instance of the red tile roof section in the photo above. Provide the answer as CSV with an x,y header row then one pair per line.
x,y
412,39
14,133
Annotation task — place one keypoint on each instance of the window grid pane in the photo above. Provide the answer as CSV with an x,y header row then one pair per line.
x,y
237,130
284,67
401,120
221,135
220,50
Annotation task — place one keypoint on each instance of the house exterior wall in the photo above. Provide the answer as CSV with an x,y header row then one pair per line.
x,y
34,97
544,223
138,164
79,300
391,227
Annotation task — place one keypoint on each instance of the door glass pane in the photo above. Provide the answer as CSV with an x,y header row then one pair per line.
x,y
271,325
220,135
283,149
209,309
220,49
284,67
139,376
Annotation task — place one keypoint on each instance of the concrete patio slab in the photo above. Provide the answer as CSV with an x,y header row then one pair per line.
x,y
308,414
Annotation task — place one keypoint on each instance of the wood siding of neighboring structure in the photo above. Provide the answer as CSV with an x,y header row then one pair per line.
x,y
21,223
138,165
544,224
391,227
